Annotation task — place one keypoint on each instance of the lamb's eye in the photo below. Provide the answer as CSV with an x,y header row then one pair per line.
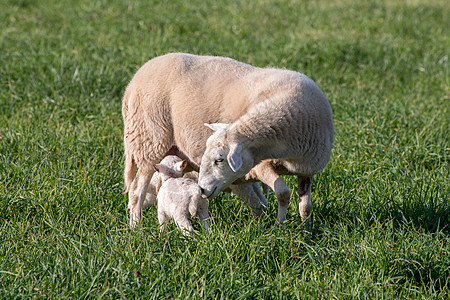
x,y
218,161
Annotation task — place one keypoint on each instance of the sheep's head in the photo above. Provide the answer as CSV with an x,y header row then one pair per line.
x,y
223,162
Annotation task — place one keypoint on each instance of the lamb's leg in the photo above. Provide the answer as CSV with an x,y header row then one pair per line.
x,y
203,215
267,174
162,220
184,224
249,196
305,204
137,194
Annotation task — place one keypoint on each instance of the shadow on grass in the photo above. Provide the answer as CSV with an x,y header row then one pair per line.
x,y
421,204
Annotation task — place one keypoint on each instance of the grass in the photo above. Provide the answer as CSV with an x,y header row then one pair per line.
x,y
381,209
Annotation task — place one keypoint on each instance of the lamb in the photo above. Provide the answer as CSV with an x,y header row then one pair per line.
x,y
170,98
179,196
291,132
155,185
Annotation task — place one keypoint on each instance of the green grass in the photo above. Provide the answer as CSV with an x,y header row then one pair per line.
x,y
381,207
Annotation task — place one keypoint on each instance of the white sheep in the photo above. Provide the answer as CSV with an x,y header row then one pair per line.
x,y
178,196
291,132
164,108
170,98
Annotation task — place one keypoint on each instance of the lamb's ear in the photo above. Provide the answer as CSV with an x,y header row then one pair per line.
x,y
216,126
234,157
160,168
181,165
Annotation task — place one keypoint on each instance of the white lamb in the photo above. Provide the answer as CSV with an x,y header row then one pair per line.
x,y
178,196
155,185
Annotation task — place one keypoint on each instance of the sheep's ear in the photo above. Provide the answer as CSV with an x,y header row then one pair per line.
x,y
216,126
234,157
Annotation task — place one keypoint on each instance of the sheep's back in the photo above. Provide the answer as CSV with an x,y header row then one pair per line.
x,y
175,94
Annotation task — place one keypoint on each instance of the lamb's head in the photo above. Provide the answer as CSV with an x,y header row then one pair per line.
x,y
171,167
223,162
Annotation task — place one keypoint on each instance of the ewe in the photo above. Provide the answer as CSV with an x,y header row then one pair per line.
x,y
285,113
289,133
177,197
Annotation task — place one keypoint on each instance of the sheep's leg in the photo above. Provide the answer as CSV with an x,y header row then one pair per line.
x,y
265,189
305,204
267,174
247,194
150,197
262,198
137,194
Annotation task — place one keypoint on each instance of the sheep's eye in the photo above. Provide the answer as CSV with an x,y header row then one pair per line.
x,y
218,161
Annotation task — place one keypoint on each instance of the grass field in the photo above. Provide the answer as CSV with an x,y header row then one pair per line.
x,y
381,207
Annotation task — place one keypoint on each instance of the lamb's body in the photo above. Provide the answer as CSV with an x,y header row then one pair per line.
x,y
179,197
172,96
155,185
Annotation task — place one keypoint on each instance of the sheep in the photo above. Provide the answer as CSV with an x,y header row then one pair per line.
x,y
166,104
164,107
291,132
179,196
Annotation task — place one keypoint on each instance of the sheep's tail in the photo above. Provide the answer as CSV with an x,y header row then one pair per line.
x,y
130,171
130,164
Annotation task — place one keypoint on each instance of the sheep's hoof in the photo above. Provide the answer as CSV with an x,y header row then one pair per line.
x,y
259,211
279,224
134,223
306,226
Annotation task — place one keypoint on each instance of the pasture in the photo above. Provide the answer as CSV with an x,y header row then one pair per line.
x,y
381,207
